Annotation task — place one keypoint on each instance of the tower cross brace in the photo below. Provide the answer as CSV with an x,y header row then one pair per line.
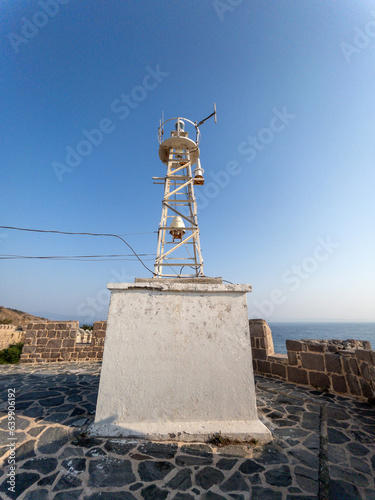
x,y
179,205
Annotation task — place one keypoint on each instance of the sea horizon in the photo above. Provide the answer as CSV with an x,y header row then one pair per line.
x,y
341,330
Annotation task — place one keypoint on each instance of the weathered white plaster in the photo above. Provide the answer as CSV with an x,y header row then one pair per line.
x,y
177,363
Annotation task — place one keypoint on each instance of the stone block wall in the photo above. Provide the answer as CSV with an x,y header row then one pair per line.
x,y
343,367
265,360
7,328
57,341
84,336
9,335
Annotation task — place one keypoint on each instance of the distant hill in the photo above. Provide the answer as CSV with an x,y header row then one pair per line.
x,y
17,318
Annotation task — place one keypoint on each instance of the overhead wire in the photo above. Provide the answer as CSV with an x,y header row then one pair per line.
x,y
133,234
81,234
92,258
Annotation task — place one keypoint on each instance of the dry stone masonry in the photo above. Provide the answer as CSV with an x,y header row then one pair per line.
x,y
58,341
9,335
343,367
339,366
83,336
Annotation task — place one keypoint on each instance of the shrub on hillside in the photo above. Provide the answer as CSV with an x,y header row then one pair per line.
x,y
6,321
11,354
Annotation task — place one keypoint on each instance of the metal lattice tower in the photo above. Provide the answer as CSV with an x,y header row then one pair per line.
x,y
178,251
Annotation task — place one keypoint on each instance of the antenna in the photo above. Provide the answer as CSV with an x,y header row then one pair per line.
x,y
205,119
162,126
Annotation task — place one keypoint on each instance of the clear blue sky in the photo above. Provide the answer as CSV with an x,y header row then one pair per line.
x,y
294,87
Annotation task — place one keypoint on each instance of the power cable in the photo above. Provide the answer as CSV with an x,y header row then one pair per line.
x,y
81,234
92,258
132,234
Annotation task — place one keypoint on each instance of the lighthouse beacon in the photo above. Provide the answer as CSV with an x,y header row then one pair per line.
x,y
177,362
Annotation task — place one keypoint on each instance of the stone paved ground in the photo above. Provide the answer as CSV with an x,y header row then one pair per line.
x,y
323,447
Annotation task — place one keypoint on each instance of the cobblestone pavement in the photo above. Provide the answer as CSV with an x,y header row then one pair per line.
x,y
323,446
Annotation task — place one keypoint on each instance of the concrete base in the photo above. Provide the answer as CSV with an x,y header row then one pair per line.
x,y
177,363
184,431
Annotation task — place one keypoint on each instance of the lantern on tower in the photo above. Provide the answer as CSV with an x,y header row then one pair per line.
x,y
198,174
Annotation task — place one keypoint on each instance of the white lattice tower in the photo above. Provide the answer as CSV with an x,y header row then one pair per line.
x,y
178,251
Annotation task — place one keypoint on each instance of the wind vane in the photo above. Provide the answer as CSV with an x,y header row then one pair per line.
x,y
178,247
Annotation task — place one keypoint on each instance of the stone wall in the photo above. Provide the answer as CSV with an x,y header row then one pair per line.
x,y
7,328
84,336
343,367
51,341
9,335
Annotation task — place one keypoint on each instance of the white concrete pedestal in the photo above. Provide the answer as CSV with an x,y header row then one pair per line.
x,y
177,362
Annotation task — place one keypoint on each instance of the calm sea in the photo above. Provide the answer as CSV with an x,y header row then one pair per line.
x,y
342,331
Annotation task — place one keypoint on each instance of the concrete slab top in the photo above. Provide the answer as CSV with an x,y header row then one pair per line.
x,y
202,280
177,285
